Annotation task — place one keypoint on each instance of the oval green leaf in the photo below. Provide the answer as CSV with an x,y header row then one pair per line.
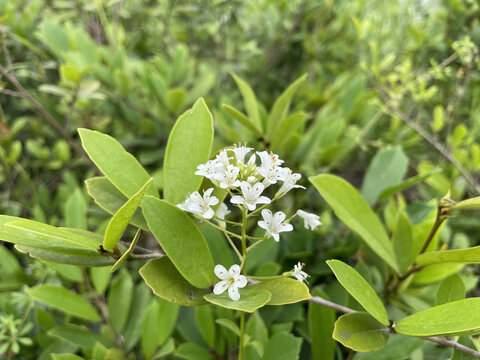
x,y
119,222
188,146
249,101
165,281
74,257
454,318
462,256
250,300
451,288
470,204
241,117
181,240
360,332
60,298
110,199
284,290
127,253
119,166
353,211
119,300
359,288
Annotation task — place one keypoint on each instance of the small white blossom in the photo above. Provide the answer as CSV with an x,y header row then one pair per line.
x,y
199,205
231,280
273,224
269,160
271,175
311,221
289,181
250,196
227,176
298,273
221,212
208,170
240,152
222,158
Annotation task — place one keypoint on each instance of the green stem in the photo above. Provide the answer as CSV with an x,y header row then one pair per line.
x,y
228,221
244,240
219,228
287,274
234,247
242,335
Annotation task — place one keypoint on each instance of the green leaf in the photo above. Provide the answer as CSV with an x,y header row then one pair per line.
x,y
100,278
321,320
127,253
158,323
167,349
473,203
119,300
359,288
230,325
110,199
462,256
241,117
133,329
387,169
360,332
60,298
86,258
354,212
36,234
76,210
460,355
407,183
78,335
257,331
165,281
282,346
459,317
66,357
281,106
399,347
284,290
206,324
181,240
250,300
287,129
122,217
69,272
191,351
189,145
403,241
434,273
120,167
450,289
250,102
176,99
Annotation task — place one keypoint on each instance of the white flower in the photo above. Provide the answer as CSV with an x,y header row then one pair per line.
x,y
221,212
269,160
289,181
298,273
240,152
222,158
311,221
251,196
273,223
208,170
227,176
271,174
199,205
231,279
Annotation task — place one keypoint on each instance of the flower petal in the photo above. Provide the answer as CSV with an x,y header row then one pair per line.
x,y
267,215
279,217
276,237
284,227
237,199
241,281
221,272
208,214
234,270
220,287
263,224
263,200
233,292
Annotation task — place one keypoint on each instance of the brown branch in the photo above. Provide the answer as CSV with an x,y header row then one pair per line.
x,y
438,340
44,113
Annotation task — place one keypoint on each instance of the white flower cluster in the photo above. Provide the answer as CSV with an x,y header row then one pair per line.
x,y
246,181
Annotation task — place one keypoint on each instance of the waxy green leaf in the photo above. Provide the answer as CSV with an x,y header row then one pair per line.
x,y
181,240
473,203
74,257
250,300
359,288
284,290
460,317
60,298
189,145
321,320
462,256
122,217
110,199
119,299
250,102
450,289
119,166
403,241
354,212
127,253
165,281
360,332
241,117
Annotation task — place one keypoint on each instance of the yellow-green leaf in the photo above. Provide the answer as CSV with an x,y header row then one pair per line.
x,y
284,290
250,300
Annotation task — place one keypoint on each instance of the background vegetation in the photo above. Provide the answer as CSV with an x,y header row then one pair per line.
x,y
392,93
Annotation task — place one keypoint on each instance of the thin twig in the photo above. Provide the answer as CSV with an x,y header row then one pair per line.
x,y
438,340
44,113
147,256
